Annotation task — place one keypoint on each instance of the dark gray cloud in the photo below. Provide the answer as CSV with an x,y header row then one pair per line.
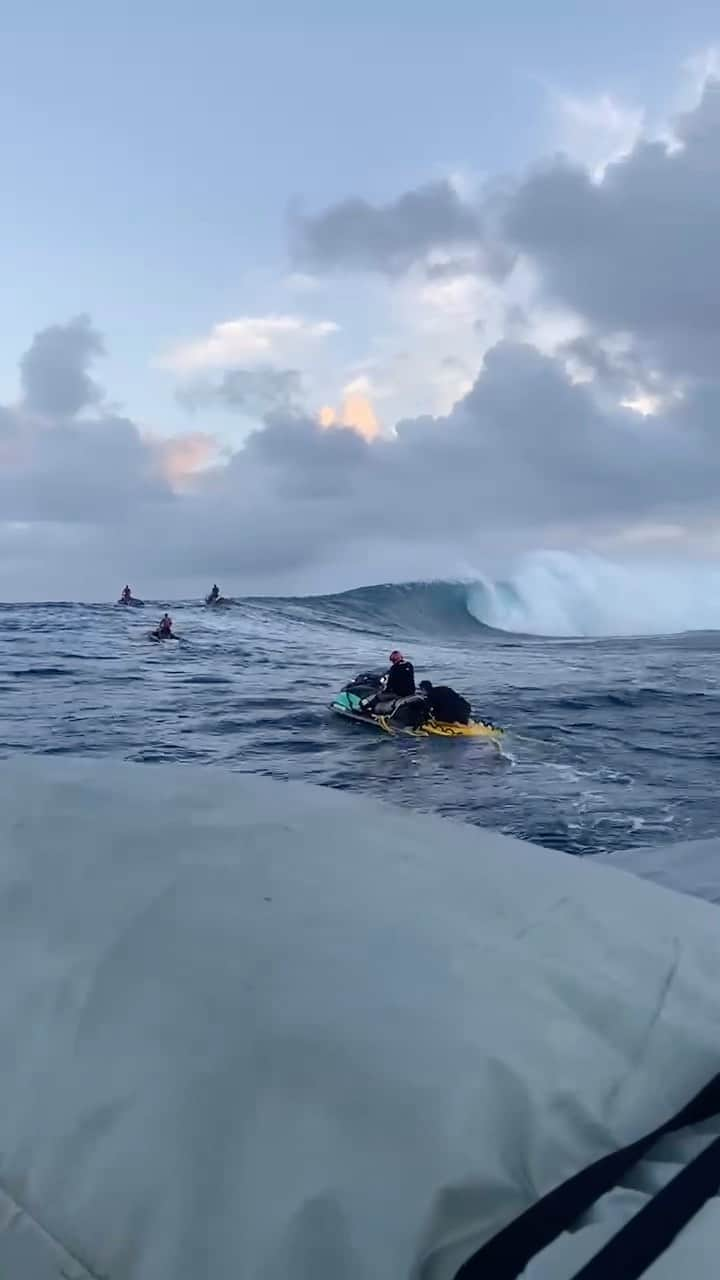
x,y
255,393
54,371
640,251
391,238
60,465
525,451
95,470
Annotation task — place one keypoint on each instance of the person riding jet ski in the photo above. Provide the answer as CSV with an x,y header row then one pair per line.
x,y
214,595
164,630
399,681
445,704
396,697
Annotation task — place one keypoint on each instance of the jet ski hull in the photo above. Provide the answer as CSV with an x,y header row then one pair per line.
x,y
343,705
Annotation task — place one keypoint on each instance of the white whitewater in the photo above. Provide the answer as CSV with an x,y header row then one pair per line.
x,y
254,1029
559,593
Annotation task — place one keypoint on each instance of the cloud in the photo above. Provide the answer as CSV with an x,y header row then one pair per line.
x,y
625,238
63,460
639,251
595,130
251,392
181,458
620,251
525,452
391,238
356,414
534,443
88,470
54,371
247,340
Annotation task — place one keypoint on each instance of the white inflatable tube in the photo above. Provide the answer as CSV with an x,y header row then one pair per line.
x,y
264,1031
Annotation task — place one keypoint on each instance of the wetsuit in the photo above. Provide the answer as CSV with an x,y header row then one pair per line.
x,y
447,705
400,680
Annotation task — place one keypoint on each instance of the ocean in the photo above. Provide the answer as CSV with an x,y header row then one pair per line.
x,y
610,743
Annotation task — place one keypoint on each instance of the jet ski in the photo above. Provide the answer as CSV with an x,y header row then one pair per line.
x,y
401,715
213,602
132,603
158,638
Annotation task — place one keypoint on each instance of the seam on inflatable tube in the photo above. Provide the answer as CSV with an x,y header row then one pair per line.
x,y
70,1266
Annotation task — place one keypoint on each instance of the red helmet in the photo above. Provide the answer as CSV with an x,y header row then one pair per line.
x,y
396,656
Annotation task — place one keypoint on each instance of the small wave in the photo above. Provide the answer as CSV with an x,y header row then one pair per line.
x,y
45,673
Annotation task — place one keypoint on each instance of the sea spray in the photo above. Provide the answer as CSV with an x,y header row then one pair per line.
x,y
560,594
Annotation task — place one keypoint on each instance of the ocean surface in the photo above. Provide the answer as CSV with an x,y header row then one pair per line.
x,y
610,743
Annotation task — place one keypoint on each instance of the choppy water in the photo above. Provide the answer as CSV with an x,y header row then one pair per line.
x,y
610,743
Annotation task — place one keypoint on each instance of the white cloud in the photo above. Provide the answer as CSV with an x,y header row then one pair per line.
x,y
457,299
598,129
359,386
695,73
248,340
302,282
595,130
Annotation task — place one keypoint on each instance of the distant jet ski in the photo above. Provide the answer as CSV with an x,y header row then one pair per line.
x,y
214,599
401,715
163,631
131,602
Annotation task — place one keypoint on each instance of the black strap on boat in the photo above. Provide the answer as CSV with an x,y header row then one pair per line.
x,y
652,1230
506,1255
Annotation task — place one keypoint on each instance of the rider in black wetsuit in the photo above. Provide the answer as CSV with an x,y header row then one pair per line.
x,y
398,682
445,704
400,679
396,695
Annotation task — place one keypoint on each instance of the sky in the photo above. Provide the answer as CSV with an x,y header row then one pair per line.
x,y
298,297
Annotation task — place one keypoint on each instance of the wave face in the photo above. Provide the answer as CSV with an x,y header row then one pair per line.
x,y
550,594
418,609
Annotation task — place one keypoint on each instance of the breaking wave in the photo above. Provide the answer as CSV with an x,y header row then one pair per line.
x,y
558,594
550,593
